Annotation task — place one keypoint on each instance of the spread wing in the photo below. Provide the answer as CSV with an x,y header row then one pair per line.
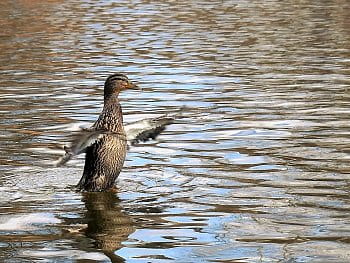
x,y
81,141
144,130
139,131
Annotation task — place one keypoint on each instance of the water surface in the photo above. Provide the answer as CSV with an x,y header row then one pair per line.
x,y
256,170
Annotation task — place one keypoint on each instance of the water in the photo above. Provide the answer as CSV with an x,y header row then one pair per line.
x,y
257,170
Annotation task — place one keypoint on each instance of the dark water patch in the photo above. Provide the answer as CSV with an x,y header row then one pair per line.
x,y
255,170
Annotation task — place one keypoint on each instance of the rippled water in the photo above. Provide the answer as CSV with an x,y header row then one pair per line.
x,y
257,170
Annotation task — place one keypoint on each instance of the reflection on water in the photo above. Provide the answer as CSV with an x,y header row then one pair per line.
x,y
107,224
255,171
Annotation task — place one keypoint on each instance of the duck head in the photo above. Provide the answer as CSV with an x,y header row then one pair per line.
x,y
116,83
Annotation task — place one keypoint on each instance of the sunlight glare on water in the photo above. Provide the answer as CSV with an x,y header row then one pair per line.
x,y
255,170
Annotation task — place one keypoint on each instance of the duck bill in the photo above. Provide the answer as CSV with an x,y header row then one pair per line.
x,y
133,86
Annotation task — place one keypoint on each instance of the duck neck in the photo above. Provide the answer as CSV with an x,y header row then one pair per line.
x,y
111,117
111,96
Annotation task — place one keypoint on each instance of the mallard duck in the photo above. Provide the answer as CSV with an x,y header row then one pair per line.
x,y
105,144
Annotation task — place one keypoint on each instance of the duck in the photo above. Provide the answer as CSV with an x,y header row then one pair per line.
x,y
107,141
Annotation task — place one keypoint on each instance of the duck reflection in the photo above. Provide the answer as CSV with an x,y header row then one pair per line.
x,y
106,223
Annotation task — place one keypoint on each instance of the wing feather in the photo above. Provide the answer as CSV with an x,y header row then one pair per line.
x,y
144,130
139,131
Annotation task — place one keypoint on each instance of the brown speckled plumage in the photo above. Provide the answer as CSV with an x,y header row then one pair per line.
x,y
105,157
105,143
